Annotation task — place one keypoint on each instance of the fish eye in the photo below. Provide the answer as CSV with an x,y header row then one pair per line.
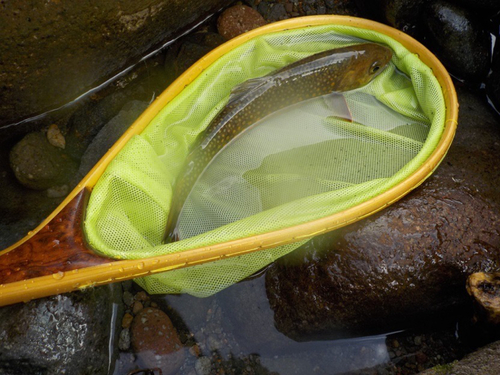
x,y
374,68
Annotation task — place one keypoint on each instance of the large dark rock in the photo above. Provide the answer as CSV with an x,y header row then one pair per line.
x,y
408,262
66,334
459,39
404,15
54,51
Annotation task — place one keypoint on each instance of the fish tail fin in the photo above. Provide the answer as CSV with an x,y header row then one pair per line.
x,y
171,236
171,232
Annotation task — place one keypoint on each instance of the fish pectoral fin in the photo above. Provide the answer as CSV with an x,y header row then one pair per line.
x,y
243,88
337,103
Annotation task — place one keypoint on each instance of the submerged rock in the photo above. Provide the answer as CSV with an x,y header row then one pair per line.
x,y
193,47
66,334
38,164
156,342
459,39
408,262
108,135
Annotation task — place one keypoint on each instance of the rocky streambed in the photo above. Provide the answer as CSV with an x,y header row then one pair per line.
x,y
384,296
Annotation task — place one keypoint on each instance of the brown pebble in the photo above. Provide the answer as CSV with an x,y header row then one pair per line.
x,y
141,296
421,357
154,304
127,320
237,20
137,307
195,350
55,137
155,341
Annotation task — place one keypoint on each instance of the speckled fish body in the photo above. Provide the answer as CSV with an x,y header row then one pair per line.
x,y
336,70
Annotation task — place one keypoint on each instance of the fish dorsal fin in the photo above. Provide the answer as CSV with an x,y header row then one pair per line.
x,y
244,88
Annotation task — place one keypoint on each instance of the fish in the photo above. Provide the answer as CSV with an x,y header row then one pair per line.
x,y
331,71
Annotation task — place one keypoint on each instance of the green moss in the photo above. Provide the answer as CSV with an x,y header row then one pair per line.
x,y
444,369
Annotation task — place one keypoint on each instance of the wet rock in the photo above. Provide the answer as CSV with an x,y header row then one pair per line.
x,y
66,334
39,165
459,39
484,288
405,15
47,60
108,135
408,262
237,20
485,361
156,342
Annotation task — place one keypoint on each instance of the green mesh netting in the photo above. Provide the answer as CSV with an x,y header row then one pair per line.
x,y
331,165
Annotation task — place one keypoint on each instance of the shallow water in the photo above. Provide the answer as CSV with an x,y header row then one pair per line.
x,y
237,324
